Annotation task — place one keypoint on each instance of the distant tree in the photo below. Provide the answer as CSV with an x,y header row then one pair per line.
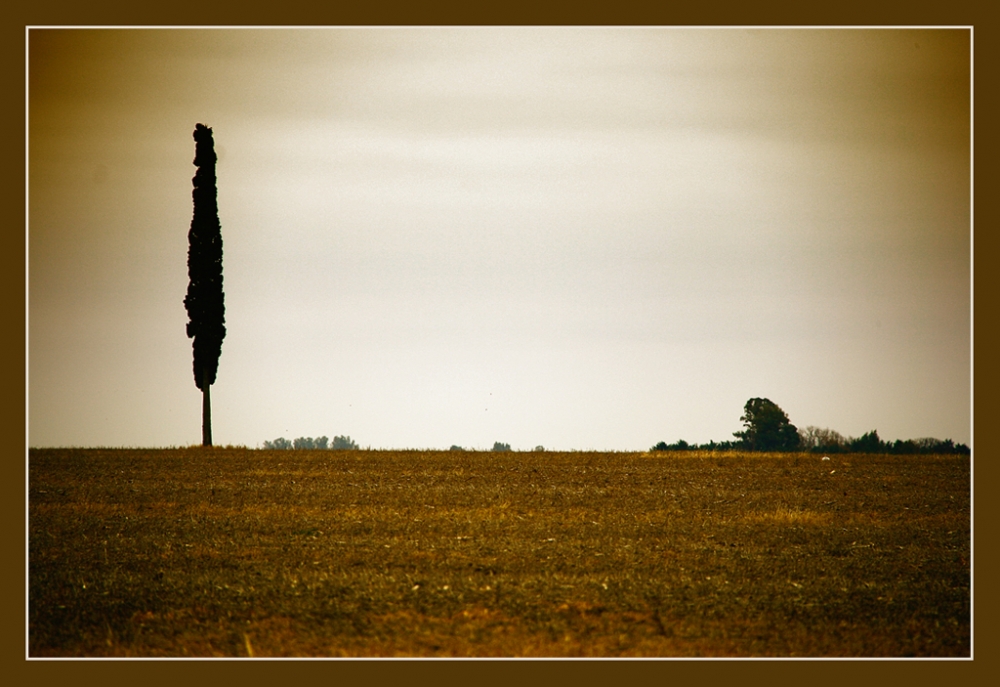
x,y
497,446
938,446
927,444
767,427
456,447
900,447
304,443
322,442
681,445
281,444
539,449
204,300
343,443
821,440
867,443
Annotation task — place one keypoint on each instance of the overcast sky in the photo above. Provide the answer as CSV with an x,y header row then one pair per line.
x,y
581,238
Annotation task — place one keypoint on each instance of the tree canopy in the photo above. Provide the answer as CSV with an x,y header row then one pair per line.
x,y
767,427
205,301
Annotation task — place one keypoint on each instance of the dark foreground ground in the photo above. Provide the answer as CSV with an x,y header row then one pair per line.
x,y
235,552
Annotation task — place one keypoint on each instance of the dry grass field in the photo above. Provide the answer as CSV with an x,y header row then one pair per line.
x,y
236,552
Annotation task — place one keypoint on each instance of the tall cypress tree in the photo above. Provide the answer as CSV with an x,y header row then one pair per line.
x,y
204,301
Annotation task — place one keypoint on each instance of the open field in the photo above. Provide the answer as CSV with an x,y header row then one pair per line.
x,y
236,552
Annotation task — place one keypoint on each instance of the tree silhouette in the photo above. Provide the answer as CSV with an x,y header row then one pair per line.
x,y
868,443
767,427
345,443
204,301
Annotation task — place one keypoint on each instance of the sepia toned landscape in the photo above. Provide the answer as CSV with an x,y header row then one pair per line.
x,y
605,238
235,552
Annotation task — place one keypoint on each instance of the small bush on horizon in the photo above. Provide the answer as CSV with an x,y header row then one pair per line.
x,y
497,446
681,445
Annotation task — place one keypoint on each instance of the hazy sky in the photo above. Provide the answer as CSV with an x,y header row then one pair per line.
x,y
585,238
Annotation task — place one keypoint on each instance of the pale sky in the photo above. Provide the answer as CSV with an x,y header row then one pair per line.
x,y
582,238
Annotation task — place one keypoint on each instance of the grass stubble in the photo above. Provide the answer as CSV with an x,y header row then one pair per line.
x,y
233,552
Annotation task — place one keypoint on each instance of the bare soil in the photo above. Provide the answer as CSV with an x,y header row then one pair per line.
x,y
238,552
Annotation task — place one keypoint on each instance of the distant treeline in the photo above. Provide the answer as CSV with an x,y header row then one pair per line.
x,y
321,443
816,440
766,428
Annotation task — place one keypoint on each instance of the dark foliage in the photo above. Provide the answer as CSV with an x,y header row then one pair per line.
x,y
205,301
867,443
870,443
720,446
834,448
767,427
681,445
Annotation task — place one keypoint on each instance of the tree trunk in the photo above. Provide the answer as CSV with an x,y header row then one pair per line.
x,y
206,411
